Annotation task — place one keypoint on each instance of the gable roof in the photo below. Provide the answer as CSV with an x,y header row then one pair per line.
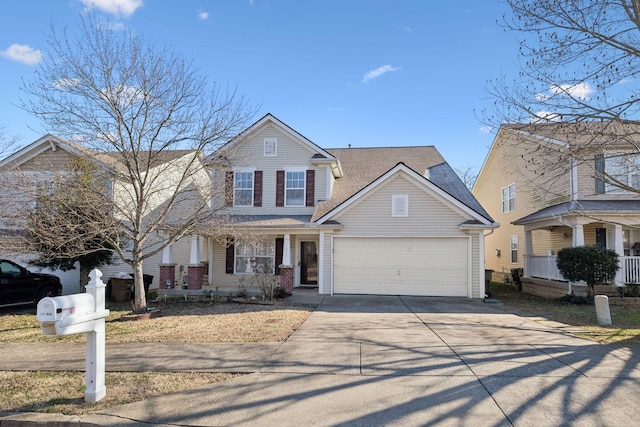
x,y
363,166
109,160
319,153
477,218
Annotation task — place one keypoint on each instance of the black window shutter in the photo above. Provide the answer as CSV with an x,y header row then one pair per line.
x,y
599,166
257,189
279,188
229,262
311,186
228,188
279,249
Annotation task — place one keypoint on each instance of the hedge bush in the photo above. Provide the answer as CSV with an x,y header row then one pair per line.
x,y
591,264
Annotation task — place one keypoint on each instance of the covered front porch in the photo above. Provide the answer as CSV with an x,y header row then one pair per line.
x,y
545,233
286,248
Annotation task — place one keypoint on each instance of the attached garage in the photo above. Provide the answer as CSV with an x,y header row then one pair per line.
x,y
401,266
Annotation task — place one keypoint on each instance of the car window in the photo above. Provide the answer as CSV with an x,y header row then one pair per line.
x,y
9,269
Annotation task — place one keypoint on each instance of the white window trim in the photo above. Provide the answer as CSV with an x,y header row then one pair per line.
x,y
626,169
304,187
254,247
514,239
253,183
267,142
399,205
503,200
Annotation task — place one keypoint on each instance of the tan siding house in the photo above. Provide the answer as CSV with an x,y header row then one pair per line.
x,y
546,186
389,220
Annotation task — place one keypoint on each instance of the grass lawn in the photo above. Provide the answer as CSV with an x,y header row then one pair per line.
x,y
626,319
63,392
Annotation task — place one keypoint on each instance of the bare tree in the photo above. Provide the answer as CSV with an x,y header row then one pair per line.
x,y
468,175
71,224
133,105
579,62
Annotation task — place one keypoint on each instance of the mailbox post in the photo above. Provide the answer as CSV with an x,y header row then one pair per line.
x,y
81,313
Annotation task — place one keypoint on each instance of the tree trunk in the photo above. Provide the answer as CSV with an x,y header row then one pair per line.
x,y
140,297
84,277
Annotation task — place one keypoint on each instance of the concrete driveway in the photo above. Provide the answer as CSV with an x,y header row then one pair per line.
x,y
362,361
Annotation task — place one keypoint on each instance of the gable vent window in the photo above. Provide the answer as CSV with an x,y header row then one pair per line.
x,y
399,205
270,147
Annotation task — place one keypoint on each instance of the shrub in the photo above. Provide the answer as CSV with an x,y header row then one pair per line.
x,y
591,264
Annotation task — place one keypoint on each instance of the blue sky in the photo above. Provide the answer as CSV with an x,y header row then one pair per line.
x,y
340,72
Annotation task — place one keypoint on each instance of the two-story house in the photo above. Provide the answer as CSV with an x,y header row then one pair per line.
x,y
35,167
558,185
388,221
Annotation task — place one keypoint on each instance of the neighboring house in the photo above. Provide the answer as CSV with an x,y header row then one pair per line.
x,y
552,186
385,221
36,166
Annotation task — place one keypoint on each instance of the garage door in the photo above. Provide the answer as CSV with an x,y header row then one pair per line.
x,y
401,266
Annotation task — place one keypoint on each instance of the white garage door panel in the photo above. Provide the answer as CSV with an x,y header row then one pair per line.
x,y
395,266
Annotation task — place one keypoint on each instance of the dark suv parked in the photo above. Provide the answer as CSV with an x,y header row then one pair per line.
x,y
20,286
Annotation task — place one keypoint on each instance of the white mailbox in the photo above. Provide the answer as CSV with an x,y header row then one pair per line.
x,y
68,314
77,314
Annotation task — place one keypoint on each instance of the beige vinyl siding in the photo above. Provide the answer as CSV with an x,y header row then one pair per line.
x,y
58,160
290,154
428,215
324,287
586,179
507,163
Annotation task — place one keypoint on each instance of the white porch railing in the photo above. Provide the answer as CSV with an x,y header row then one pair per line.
x,y
545,267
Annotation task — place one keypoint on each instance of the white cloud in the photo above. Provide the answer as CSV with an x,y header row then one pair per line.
x,y
203,16
486,129
114,7
580,90
22,53
374,74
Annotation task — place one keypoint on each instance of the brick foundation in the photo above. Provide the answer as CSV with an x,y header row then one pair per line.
x,y
167,273
286,278
195,273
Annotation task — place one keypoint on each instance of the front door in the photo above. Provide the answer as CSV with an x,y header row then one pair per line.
x,y
308,263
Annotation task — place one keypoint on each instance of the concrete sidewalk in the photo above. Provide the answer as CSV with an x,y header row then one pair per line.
x,y
361,360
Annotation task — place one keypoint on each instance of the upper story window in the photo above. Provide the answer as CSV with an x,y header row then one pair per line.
x,y
270,147
622,172
243,188
295,187
509,198
294,191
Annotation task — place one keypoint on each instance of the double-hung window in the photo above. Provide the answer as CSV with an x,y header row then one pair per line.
x,y
513,246
509,198
622,171
243,188
255,258
294,191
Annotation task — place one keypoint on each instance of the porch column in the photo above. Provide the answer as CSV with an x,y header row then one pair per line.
x,y
578,235
618,246
286,269
528,251
196,270
194,257
286,250
167,269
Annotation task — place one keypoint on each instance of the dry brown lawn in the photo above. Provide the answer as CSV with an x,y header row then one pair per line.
x,y
200,322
